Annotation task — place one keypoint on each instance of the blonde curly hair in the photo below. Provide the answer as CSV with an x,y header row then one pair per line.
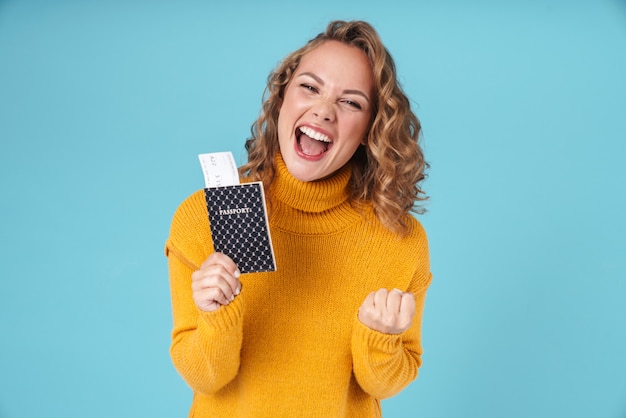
x,y
388,169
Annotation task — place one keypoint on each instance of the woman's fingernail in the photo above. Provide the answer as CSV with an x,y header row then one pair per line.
x,y
237,273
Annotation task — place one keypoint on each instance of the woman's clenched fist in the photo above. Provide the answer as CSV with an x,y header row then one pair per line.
x,y
389,312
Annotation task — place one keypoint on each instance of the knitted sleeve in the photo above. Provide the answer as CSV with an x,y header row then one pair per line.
x,y
205,345
384,364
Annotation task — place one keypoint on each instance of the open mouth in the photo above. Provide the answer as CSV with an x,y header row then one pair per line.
x,y
311,142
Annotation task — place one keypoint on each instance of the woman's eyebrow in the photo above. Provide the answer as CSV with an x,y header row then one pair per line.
x,y
321,82
313,76
357,92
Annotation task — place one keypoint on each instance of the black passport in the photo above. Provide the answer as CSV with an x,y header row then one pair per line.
x,y
239,226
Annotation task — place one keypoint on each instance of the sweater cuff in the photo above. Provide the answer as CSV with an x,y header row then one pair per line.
x,y
376,340
227,317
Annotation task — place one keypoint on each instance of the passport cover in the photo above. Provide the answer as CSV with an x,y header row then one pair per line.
x,y
239,226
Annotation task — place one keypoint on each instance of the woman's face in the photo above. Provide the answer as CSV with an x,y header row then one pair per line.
x,y
326,110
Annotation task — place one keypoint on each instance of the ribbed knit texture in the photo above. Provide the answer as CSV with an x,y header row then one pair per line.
x,y
291,345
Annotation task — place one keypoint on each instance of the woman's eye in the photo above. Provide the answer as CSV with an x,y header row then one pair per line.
x,y
353,104
308,87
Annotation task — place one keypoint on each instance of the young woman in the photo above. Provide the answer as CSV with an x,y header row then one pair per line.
x,y
337,327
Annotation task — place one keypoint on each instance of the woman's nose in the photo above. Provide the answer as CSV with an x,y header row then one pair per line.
x,y
324,109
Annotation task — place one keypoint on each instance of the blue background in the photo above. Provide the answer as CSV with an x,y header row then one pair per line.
x,y
105,105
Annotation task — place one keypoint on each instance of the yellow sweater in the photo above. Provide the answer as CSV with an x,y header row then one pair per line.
x,y
291,345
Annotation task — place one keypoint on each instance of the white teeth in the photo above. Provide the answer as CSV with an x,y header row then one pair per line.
x,y
314,134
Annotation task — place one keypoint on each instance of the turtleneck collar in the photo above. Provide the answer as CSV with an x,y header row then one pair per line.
x,y
313,196
314,207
